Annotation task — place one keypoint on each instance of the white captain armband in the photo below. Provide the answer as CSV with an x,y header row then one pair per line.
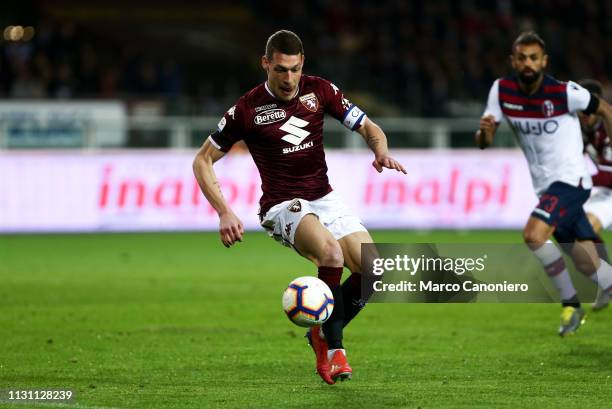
x,y
353,117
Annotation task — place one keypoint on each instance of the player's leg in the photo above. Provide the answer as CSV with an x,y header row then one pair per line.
x,y
351,291
595,222
537,237
587,258
599,213
575,231
550,217
598,226
603,297
313,241
345,228
354,298
294,224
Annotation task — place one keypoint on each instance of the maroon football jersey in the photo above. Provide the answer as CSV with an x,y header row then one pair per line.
x,y
285,138
601,144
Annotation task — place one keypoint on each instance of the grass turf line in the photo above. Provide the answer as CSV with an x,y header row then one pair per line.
x,y
179,321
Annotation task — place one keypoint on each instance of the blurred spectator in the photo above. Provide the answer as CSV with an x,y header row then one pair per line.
x,y
411,57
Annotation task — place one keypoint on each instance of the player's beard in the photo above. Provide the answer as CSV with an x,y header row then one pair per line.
x,y
529,79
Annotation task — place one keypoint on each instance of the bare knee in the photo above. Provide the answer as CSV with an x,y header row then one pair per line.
x,y
534,238
536,233
330,254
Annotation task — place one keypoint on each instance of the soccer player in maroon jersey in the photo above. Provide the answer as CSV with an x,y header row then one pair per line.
x,y
281,122
599,206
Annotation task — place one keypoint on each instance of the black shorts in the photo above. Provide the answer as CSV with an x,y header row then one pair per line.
x,y
561,206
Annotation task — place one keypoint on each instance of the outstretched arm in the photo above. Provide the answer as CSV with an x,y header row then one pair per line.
x,y
230,226
377,142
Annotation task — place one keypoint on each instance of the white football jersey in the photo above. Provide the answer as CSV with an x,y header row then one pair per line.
x,y
547,128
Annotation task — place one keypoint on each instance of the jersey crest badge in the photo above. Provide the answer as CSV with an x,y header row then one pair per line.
x,y
295,206
310,102
548,108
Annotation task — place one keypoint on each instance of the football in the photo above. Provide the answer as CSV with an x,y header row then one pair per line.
x,y
308,301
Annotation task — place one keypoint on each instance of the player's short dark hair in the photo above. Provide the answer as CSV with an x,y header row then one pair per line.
x,y
284,41
528,38
591,85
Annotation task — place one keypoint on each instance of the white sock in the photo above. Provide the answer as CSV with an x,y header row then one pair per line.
x,y
603,276
330,353
552,260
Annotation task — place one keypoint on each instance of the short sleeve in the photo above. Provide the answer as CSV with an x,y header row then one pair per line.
x,y
493,107
578,98
230,128
338,106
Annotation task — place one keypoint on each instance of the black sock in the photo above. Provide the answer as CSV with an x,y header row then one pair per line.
x,y
572,302
601,249
332,328
351,293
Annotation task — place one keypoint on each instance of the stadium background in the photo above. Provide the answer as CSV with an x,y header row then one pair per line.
x,y
102,106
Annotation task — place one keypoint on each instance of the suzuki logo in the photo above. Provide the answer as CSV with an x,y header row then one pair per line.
x,y
293,127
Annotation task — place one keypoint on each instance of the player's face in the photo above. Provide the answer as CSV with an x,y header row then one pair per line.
x,y
284,73
529,62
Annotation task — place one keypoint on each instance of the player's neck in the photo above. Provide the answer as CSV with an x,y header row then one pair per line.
x,y
530,89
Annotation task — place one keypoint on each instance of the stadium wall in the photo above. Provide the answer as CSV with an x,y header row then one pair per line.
x,y
54,191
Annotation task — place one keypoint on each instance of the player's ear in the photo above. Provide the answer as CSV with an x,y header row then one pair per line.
x,y
511,57
544,60
265,64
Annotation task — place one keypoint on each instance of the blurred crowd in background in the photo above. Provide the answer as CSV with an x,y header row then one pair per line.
x,y
421,58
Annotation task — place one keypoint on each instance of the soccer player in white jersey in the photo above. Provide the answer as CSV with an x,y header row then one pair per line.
x,y
542,112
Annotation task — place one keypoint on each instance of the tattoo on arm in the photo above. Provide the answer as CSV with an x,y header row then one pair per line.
x,y
218,186
372,142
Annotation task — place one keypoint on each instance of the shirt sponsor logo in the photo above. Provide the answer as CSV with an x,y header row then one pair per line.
x,y
270,116
265,107
548,108
310,102
298,148
536,128
513,106
295,132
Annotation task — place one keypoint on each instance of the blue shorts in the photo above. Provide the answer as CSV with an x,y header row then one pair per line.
x,y
561,206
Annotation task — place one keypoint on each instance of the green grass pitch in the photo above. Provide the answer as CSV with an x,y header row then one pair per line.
x,y
179,321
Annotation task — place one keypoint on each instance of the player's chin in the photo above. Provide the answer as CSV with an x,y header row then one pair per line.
x,y
285,93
